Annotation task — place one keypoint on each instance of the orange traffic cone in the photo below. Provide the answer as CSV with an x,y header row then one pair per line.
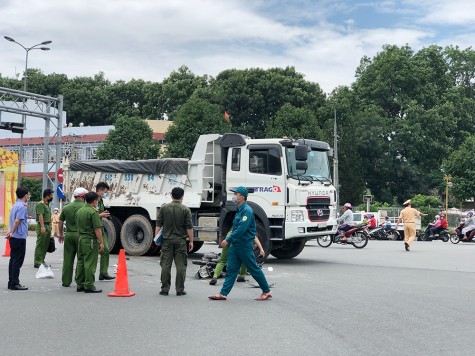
x,y
7,249
122,280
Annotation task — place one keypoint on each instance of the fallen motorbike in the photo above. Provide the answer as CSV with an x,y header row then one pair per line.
x,y
356,236
442,235
381,234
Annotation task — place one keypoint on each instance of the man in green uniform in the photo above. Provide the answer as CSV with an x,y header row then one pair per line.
x,y
241,251
175,220
68,214
43,227
101,189
89,226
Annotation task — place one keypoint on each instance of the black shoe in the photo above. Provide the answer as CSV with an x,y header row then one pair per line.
x,y
180,293
80,289
162,292
93,290
406,246
64,285
213,281
105,277
18,287
241,279
36,266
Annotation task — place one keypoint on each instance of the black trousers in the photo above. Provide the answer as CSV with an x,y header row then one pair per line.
x,y
17,256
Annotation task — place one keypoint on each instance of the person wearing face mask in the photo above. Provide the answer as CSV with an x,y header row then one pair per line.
x,y
101,189
241,251
43,227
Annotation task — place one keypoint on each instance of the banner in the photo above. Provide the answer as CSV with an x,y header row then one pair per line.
x,y
8,183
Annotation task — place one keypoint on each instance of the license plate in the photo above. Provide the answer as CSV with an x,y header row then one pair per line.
x,y
322,225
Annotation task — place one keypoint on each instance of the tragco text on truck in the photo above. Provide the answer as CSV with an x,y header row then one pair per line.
x,y
289,181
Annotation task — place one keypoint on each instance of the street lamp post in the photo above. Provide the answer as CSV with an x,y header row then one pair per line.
x,y
448,183
23,118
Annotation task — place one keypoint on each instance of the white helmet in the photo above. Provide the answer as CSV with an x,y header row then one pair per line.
x,y
347,205
80,192
437,217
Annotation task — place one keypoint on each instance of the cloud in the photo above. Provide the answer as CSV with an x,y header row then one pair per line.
x,y
147,39
443,12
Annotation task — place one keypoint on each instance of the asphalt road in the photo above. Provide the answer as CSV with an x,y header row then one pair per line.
x,y
379,300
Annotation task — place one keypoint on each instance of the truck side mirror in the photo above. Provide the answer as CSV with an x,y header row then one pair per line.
x,y
301,153
330,152
301,165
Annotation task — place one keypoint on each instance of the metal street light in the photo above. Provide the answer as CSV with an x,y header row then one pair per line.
x,y
448,184
23,118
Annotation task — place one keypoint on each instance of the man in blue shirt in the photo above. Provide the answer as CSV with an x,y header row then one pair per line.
x,y
241,251
17,236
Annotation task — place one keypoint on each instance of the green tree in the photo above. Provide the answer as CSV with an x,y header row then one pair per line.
x,y
460,165
34,186
196,117
131,139
294,122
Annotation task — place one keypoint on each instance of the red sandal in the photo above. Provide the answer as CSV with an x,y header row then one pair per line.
x,y
218,297
264,296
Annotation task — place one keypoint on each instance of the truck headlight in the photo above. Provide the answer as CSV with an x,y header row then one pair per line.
x,y
296,215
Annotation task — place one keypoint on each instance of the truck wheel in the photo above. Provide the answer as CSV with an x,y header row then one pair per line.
x,y
290,250
118,227
110,232
264,240
196,246
136,235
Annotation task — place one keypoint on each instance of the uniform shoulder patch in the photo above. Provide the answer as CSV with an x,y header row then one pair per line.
x,y
244,218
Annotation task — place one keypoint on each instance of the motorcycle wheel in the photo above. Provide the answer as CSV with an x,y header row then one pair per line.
x,y
324,241
360,240
392,235
424,237
445,238
454,239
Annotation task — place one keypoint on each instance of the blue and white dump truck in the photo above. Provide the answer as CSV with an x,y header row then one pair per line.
x,y
289,182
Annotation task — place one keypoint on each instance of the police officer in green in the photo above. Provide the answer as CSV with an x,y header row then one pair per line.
x,y
241,251
89,226
101,189
175,220
43,227
68,215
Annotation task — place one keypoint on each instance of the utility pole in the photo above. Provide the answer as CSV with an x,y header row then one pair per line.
x,y
335,161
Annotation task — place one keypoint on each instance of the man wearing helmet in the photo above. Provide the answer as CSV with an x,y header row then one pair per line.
x,y
408,217
346,220
439,225
68,214
469,227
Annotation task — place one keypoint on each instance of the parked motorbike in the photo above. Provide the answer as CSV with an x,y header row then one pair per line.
x,y
380,233
357,236
443,235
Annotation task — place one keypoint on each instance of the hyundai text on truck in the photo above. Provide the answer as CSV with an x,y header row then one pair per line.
x,y
289,183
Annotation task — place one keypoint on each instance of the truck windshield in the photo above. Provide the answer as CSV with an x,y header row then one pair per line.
x,y
318,168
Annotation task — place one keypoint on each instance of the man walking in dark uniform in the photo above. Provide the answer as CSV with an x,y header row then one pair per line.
x,y
241,250
175,220
17,236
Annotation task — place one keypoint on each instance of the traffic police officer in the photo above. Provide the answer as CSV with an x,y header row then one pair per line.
x,y
68,215
43,227
241,250
101,189
89,226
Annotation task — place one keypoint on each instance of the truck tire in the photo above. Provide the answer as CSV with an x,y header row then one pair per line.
x,y
110,232
137,235
115,248
290,250
196,246
264,240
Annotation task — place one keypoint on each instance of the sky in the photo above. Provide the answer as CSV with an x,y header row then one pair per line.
x,y
148,39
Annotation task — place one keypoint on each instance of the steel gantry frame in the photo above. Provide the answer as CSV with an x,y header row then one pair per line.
x,y
47,108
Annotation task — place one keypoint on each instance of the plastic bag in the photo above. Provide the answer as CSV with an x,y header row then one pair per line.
x,y
44,272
